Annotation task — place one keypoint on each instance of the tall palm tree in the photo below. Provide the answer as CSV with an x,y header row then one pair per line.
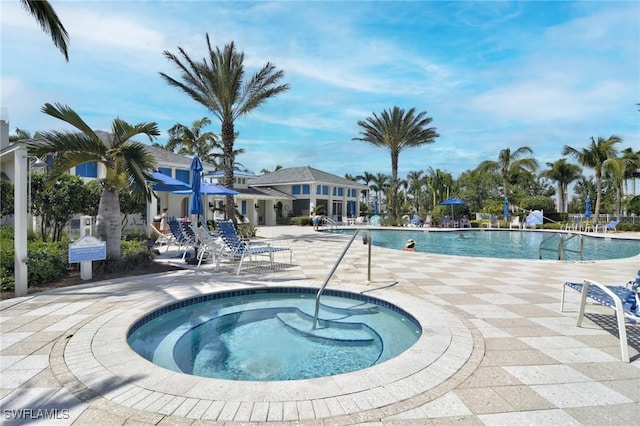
x,y
193,140
563,173
128,164
594,157
510,162
50,23
394,130
218,83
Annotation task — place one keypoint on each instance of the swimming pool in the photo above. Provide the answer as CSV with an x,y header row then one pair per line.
x,y
504,244
268,334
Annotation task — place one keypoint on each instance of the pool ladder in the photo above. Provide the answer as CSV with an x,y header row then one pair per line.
x,y
560,249
367,240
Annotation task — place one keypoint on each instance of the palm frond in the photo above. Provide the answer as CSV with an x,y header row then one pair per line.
x,y
50,23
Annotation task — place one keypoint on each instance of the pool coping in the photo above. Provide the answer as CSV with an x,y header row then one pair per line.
x,y
98,356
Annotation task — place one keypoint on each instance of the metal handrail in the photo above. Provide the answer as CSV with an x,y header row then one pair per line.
x,y
333,270
561,249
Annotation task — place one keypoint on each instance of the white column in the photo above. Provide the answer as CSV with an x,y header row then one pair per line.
x,y
20,221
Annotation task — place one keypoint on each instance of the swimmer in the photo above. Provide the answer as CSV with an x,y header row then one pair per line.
x,y
410,246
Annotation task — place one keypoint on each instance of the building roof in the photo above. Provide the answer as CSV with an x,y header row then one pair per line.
x,y
297,175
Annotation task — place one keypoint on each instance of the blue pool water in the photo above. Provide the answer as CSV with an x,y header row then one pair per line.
x,y
505,244
268,334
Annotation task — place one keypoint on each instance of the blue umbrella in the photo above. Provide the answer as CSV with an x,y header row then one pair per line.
x,y
452,202
209,189
587,207
195,206
506,207
164,183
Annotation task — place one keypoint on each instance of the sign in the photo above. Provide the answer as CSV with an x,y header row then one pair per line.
x,y
87,249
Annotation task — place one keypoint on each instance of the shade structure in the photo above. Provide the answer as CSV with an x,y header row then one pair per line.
x,y
195,205
452,202
210,189
506,207
164,183
587,207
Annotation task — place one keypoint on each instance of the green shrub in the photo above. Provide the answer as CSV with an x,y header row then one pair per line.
x,y
47,261
247,230
135,256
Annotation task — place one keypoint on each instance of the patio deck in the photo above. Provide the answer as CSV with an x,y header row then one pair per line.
x,y
502,351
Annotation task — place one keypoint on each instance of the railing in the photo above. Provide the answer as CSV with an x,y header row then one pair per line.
x,y
330,223
561,248
367,240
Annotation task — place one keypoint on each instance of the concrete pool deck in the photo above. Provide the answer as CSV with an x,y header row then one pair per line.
x,y
501,353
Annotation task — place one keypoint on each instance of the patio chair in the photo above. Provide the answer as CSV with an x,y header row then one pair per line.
x,y
515,223
240,248
607,227
623,300
210,246
493,222
180,237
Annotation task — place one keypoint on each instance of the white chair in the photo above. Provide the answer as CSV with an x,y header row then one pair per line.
x,y
515,223
623,300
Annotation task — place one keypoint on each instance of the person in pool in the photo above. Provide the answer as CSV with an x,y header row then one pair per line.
x,y
410,246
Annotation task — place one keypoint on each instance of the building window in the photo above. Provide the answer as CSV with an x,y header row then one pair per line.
x,y
89,170
244,207
325,190
183,176
306,189
165,171
295,189
318,189
340,192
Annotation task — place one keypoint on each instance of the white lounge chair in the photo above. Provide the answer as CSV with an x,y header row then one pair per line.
x,y
622,299
515,223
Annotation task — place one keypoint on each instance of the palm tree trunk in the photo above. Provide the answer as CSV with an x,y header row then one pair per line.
x,y
596,212
228,162
108,227
394,184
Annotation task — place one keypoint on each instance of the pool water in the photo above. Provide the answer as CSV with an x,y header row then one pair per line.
x,y
506,244
265,335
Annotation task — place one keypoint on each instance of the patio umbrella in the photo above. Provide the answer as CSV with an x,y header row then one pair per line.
x,y
587,207
195,205
209,189
452,202
506,207
164,183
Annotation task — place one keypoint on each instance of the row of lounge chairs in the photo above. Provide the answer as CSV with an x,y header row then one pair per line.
x,y
223,244
578,224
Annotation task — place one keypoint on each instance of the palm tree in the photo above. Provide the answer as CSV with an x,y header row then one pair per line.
x,y
510,162
632,172
594,157
416,184
563,173
395,131
50,23
192,140
218,83
616,170
128,164
366,178
380,183
440,184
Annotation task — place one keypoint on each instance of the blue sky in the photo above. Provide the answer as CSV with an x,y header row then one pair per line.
x,y
491,74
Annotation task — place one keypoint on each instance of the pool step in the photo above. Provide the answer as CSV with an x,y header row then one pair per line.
x,y
349,307
348,333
